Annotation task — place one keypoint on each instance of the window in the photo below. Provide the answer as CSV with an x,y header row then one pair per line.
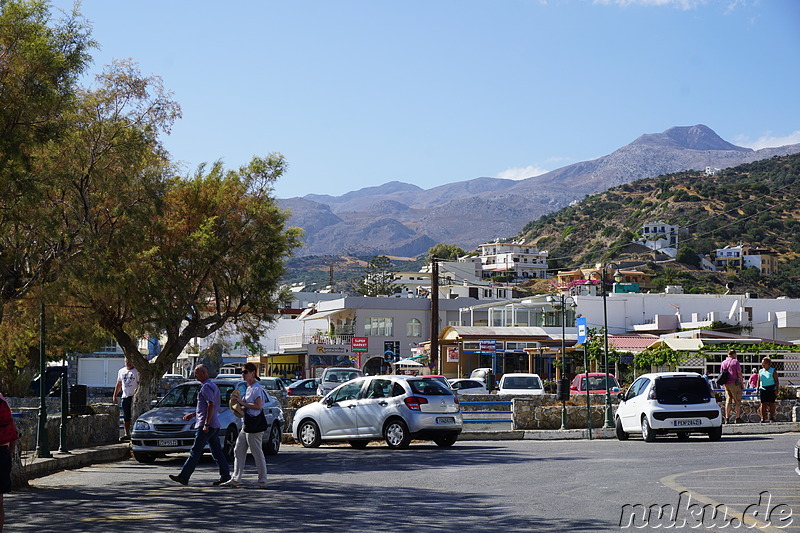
x,y
414,328
348,391
378,327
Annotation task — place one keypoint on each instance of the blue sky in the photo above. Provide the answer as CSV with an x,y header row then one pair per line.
x,y
359,93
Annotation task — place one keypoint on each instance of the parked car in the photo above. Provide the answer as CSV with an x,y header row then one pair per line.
x,y
468,386
394,408
272,385
797,456
595,382
440,379
304,387
480,374
520,383
162,430
334,376
668,402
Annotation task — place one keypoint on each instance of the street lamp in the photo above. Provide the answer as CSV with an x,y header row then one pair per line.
x,y
561,302
609,423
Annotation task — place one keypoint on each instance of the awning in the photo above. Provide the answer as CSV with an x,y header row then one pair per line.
x,y
681,345
406,362
321,314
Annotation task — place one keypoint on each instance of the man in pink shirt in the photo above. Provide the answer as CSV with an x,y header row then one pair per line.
x,y
733,387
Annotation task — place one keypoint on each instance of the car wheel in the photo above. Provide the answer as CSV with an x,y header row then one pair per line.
x,y
308,432
445,441
273,443
358,444
621,435
683,436
647,432
145,457
396,434
715,433
228,445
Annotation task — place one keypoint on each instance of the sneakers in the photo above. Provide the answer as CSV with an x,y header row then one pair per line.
x,y
230,483
219,482
765,421
179,479
125,438
262,485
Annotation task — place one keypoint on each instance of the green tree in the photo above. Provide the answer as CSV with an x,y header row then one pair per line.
x,y
40,63
208,251
379,277
446,252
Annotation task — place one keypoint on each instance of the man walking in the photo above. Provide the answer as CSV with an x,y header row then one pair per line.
x,y
127,382
207,430
733,387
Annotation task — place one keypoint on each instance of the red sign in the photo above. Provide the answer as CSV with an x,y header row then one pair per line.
x,y
359,344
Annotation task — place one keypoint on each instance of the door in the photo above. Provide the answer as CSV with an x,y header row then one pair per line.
x,y
630,410
339,416
374,407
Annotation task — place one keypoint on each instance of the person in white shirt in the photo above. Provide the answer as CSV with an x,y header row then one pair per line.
x,y
127,381
252,402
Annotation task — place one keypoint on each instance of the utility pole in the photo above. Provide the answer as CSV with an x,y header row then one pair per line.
x,y
435,316
42,443
330,277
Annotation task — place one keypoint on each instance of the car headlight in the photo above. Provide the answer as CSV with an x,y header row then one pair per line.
x,y
141,425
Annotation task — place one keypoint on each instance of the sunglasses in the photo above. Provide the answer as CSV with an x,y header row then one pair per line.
x,y
245,371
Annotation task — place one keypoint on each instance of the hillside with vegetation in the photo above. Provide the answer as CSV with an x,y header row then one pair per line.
x,y
755,204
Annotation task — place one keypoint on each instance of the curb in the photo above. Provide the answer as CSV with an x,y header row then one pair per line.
x,y
77,458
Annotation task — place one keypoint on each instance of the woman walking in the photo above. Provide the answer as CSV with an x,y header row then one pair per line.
x,y
249,436
767,389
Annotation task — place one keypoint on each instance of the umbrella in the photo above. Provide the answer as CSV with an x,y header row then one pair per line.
x,y
407,362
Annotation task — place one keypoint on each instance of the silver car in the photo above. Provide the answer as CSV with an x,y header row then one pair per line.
x,y
394,408
162,429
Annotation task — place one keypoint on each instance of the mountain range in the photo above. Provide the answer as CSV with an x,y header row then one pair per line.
x,y
401,219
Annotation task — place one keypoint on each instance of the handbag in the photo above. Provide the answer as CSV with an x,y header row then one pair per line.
x,y
723,377
255,424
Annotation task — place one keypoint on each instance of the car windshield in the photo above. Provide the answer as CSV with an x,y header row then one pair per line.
x,y
341,376
682,389
599,382
184,396
522,382
429,387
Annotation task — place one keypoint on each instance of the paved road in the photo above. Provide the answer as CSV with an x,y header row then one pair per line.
x,y
474,486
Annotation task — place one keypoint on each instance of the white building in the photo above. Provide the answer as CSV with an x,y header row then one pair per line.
x,y
516,260
661,236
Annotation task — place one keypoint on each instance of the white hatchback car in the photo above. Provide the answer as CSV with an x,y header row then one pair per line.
x,y
668,402
394,408
468,386
518,383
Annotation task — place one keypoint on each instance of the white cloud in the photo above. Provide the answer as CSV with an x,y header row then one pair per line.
x,y
521,173
680,4
768,140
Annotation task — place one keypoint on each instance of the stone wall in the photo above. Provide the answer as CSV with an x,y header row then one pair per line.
x,y
100,426
543,412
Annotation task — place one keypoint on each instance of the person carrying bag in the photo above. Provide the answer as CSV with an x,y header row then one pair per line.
x,y
255,423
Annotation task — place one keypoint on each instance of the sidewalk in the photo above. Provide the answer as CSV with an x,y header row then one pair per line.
x,y
78,458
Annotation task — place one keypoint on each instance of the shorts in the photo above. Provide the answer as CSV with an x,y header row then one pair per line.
x,y
127,404
5,469
733,393
767,394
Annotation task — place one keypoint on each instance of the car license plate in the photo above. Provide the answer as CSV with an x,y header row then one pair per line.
x,y
688,422
445,420
166,443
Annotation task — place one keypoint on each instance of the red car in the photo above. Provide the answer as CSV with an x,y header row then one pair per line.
x,y
597,383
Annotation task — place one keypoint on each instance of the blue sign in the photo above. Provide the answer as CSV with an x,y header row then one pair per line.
x,y
580,323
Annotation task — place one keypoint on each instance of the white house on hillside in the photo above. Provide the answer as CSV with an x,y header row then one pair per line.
x,y
516,260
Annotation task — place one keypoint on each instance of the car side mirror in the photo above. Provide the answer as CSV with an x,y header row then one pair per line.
x,y
621,396
573,387
153,403
328,402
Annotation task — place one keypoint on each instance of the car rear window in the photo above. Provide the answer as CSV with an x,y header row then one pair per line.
x,y
341,376
599,382
522,382
682,389
429,387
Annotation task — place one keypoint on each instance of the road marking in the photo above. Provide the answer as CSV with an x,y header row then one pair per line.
x,y
671,482
129,515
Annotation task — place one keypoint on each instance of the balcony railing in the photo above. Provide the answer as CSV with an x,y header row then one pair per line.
x,y
296,341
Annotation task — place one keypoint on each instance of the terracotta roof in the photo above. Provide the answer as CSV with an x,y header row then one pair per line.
x,y
631,342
